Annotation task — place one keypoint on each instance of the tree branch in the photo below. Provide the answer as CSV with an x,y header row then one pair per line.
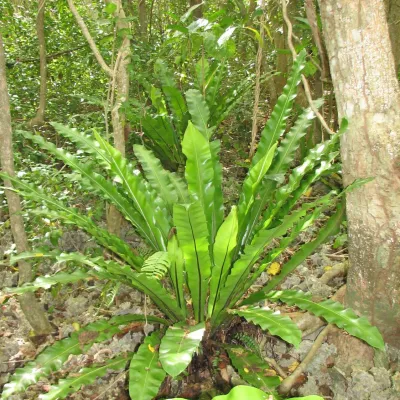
x,y
89,38
303,78
288,383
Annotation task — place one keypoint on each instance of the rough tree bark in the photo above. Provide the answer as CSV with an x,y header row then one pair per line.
x,y
39,118
32,310
367,93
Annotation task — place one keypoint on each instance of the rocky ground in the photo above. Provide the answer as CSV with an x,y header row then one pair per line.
x,y
343,367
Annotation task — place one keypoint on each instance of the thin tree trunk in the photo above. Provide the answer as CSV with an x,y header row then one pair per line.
x,y
32,310
282,62
142,19
367,93
321,76
198,12
114,218
39,118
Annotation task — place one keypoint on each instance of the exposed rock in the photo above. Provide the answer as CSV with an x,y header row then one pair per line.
x,y
8,279
76,306
75,241
352,353
290,282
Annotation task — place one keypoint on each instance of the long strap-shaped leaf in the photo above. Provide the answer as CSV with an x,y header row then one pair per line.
x,y
252,368
290,143
199,111
160,131
236,282
47,282
178,346
98,183
84,142
177,271
252,182
303,224
70,215
277,122
53,357
192,233
199,172
144,200
109,269
85,376
145,372
177,105
330,228
150,286
157,176
273,322
312,160
218,206
334,313
225,243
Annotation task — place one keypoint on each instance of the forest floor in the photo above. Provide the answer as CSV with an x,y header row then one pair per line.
x,y
343,368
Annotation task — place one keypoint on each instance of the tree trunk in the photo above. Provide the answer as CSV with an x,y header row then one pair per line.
x,y
393,17
114,218
142,19
282,62
198,12
32,310
39,118
367,93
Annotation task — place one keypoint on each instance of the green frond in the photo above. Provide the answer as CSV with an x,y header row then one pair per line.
x,y
157,265
178,346
192,234
177,271
158,177
252,368
218,206
287,195
199,111
86,376
70,215
160,131
272,322
145,372
145,201
199,171
53,357
329,229
225,244
97,183
302,223
252,183
177,105
276,124
47,281
334,313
